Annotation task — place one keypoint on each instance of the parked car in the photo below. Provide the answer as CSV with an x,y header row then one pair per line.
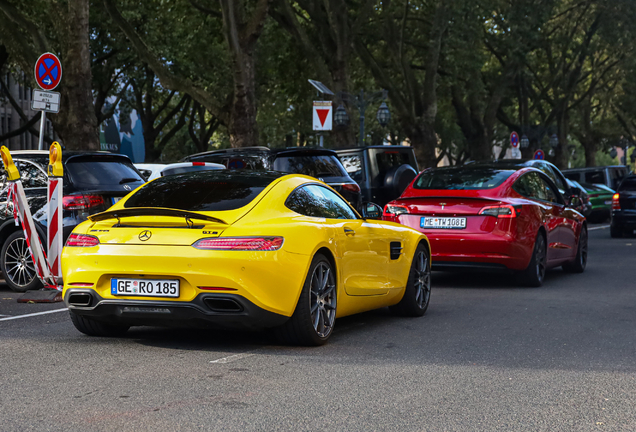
x,y
320,163
489,216
601,200
624,208
383,172
263,250
154,171
92,183
610,176
583,204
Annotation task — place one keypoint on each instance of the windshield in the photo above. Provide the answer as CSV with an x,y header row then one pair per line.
x,y
462,178
314,165
203,190
101,172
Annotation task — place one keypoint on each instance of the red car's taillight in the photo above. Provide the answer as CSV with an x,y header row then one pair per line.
x,y
81,202
616,205
240,243
391,212
82,240
501,211
351,187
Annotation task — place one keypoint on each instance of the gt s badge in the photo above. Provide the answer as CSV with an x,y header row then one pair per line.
x,y
209,232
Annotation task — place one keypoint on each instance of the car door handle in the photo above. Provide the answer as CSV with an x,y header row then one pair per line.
x,y
349,232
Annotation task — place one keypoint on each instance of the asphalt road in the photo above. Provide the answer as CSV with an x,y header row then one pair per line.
x,y
487,356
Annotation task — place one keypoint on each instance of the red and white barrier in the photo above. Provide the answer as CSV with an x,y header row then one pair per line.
x,y
54,225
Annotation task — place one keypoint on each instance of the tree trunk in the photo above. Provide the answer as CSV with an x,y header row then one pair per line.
x,y
242,126
76,123
424,141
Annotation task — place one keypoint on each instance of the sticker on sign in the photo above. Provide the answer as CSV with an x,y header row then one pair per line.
x,y
46,101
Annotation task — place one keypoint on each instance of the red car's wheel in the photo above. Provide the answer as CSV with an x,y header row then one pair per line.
x,y
534,274
580,261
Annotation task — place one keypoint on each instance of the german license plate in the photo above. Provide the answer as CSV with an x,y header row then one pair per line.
x,y
144,287
608,202
443,222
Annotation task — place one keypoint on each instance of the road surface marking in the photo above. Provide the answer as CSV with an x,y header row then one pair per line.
x,y
33,314
598,227
232,358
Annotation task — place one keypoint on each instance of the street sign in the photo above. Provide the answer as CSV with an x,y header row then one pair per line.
x,y
45,101
539,155
323,115
514,139
48,71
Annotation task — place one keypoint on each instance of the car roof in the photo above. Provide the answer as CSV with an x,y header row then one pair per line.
x,y
378,147
594,168
260,150
66,155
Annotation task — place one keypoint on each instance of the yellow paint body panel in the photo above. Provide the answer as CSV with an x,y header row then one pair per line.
x,y
272,280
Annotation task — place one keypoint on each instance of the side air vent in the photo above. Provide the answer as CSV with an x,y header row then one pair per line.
x,y
396,250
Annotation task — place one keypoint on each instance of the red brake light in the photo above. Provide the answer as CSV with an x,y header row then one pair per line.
x,y
240,243
502,211
616,205
198,163
81,202
395,210
82,240
351,187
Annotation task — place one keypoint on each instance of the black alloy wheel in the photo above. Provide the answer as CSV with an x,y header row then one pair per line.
x,y
17,265
534,274
417,293
580,261
314,317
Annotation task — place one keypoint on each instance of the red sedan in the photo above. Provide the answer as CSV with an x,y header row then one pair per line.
x,y
481,215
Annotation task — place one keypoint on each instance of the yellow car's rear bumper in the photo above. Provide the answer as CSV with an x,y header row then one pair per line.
x,y
251,288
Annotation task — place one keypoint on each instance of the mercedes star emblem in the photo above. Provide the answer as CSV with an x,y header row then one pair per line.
x,y
126,187
145,235
442,204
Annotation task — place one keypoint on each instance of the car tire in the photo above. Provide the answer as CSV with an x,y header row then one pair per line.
x,y
534,274
417,293
91,327
17,265
580,261
313,320
616,231
398,178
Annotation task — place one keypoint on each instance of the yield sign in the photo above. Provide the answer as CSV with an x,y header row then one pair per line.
x,y
48,71
323,111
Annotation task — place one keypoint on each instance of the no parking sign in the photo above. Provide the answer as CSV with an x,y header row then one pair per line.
x,y
539,154
48,71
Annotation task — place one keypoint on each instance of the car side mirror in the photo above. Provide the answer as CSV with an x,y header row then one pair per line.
x,y
573,201
371,211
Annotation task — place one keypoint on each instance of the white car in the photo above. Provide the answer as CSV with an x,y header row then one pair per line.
x,y
153,171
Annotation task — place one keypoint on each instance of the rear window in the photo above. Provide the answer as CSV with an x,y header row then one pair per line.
x,y
314,165
459,178
101,173
203,191
353,164
251,162
391,159
629,184
594,177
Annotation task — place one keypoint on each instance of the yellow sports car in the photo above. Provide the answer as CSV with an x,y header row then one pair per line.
x,y
240,249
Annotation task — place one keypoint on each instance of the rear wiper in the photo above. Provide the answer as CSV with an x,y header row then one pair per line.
x,y
128,180
152,211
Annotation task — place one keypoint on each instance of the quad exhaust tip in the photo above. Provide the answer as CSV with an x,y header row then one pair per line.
x,y
80,299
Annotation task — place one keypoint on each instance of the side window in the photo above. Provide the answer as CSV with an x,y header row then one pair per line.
x,y
557,179
551,194
318,201
32,176
353,164
594,177
530,185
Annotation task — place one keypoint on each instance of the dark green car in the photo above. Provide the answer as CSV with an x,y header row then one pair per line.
x,y
601,199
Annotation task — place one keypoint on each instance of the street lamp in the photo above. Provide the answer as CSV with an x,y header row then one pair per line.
x,y
524,142
340,117
554,141
361,101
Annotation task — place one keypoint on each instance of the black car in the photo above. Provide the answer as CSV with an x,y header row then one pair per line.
x,y
92,183
572,195
383,172
320,163
624,208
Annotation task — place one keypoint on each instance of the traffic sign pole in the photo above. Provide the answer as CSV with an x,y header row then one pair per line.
x,y
42,124
48,74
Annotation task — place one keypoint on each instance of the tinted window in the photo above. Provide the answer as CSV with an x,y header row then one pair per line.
x,y
462,178
96,173
595,177
258,161
629,184
556,178
318,201
202,191
532,186
390,159
353,165
573,176
31,175
314,166
551,194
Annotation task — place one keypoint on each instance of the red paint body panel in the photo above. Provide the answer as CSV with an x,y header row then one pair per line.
x,y
490,239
